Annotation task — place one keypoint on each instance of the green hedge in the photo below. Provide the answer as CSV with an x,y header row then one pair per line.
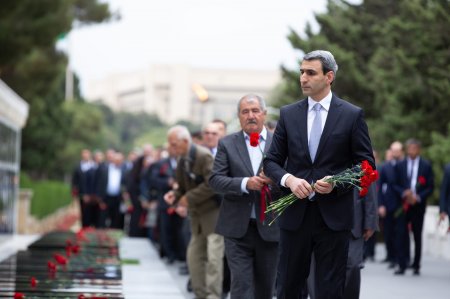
x,y
48,196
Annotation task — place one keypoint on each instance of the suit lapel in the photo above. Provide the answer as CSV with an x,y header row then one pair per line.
x,y
242,150
330,124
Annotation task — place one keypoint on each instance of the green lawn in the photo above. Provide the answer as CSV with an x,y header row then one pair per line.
x,y
48,196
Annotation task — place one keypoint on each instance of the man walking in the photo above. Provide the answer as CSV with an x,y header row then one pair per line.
x,y
250,245
316,137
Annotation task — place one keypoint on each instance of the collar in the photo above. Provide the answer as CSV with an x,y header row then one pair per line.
x,y
325,102
263,134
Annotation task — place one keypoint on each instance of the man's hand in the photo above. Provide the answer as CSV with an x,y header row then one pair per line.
x,y
183,201
181,211
300,187
382,211
169,197
256,183
322,187
266,179
367,234
86,198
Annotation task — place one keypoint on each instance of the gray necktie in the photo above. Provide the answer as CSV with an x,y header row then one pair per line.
x,y
316,132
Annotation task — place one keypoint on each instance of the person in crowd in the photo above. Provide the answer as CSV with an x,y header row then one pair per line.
x,y
369,244
444,197
170,223
211,135
222,126
415,183
389,203
271,125
197,137
315,138
250,245
110,185
81,186
133,187
206,248
226,285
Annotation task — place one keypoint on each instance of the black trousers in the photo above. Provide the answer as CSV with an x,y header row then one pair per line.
x,y
330,250
416,216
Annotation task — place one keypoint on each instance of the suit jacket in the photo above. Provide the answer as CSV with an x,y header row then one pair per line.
x,y
387,196
102,177
231,165
344,143
444,199
365,212
81,181
422,190
192,176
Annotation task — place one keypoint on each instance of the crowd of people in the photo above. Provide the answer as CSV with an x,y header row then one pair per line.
x,y
202,198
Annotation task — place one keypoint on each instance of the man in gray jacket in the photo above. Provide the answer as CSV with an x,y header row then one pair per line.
x,y
251,246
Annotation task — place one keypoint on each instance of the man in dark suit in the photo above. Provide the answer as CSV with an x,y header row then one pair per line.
x,y
110,185
389,203
81,186
250,245
300,155
444,198
415,183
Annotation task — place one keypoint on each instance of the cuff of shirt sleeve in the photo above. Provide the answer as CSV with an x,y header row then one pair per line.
x,y
244,185
283,179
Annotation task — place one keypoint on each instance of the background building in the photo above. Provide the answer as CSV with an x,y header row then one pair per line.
x,y
179,92
13,115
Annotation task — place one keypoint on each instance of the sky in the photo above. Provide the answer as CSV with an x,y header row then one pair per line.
x,y
238,34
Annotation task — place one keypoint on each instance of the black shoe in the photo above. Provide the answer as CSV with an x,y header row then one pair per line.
x,y
189,286
391,266
399,272
416,271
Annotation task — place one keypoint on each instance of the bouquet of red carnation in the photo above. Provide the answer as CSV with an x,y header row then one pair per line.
x,y
359,176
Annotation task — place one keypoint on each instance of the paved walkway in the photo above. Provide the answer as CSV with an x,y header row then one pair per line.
x,y
379,282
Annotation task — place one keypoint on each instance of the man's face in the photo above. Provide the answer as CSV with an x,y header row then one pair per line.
x,y
85,155
251,116
313,81
413,150
211,135
180,146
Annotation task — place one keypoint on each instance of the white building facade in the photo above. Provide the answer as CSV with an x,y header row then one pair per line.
x,y
13,116
179,92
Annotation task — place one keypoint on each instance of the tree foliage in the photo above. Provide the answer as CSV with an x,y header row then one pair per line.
x,y
30,64
393,61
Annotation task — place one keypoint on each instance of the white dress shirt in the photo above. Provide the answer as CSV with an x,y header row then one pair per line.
x,y
325,102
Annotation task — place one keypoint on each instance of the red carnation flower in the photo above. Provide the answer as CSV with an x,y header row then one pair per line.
x,y
421,180
60,259
19,295
254,139
33,282
363,192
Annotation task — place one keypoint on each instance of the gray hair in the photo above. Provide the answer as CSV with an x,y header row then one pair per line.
x,y
181,132
413,141
249,98
327,59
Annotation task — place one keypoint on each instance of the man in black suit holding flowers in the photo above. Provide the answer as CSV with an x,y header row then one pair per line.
x,y
316,137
